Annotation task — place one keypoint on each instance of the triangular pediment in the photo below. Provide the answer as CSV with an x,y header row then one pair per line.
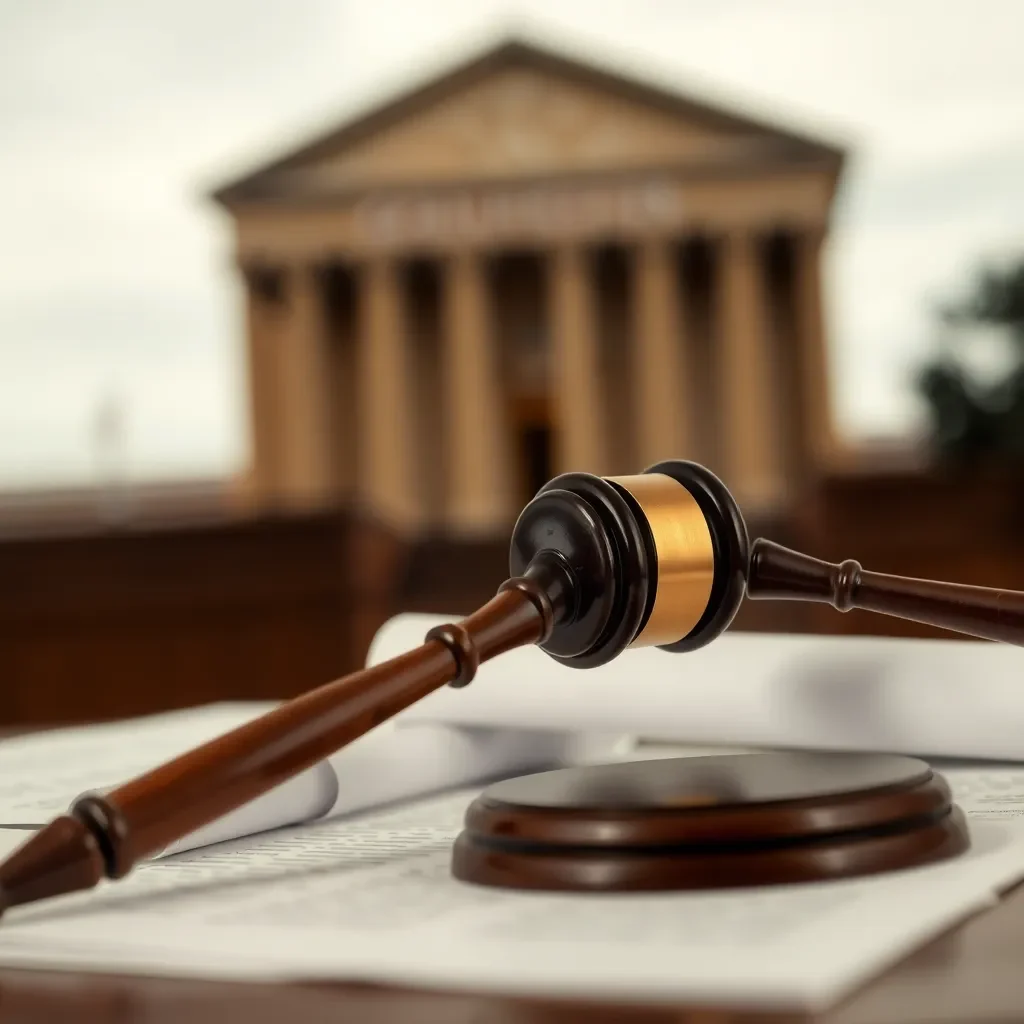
x,y
519,112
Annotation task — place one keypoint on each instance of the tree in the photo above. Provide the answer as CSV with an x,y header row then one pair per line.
x,y
976,420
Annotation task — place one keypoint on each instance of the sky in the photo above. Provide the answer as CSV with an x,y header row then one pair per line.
x,y
118,301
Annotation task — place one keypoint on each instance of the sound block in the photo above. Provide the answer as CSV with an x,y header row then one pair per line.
x,y
709,822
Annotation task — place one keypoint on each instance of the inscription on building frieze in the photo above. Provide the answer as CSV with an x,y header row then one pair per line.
x,y
507,215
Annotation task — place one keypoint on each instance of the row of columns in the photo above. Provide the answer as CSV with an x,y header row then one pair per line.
x,y
292,382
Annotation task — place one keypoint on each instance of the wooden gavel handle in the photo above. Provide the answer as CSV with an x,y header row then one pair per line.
x,y
778,573
105,836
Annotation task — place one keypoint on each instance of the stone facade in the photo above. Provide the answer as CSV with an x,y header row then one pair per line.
x,y
525,267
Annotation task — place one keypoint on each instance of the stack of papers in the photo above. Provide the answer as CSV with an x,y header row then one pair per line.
x,y
41,774
343,872
368,896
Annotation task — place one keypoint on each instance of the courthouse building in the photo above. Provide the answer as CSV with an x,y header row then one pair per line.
x,y
530,265
526,266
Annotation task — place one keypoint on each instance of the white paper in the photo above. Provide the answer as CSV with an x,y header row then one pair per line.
x,y
10,840
396,763
988,792
947,698
386,765
41,774
370,898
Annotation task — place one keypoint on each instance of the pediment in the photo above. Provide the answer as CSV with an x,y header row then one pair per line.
x,y
521,122
511,116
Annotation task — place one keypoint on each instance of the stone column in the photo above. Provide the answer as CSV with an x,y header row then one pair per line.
x,y
580,422
812,346
306,476
386,456
750,447
478,495
662,407
263,315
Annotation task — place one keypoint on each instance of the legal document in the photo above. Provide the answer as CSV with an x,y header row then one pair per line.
x,y
343,871
370,898
41,774
936,698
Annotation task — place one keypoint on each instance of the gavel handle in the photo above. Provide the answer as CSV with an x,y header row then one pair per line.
x,y
778,573
106,835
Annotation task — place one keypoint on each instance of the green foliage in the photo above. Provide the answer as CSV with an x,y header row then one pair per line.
x,y
972,421
997,299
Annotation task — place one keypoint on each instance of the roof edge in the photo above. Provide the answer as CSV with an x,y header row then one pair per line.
x,y
514,50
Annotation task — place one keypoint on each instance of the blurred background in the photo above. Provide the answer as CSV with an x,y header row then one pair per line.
x,y
300,302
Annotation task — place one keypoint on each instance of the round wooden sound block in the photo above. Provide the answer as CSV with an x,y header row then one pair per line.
x,y
709,822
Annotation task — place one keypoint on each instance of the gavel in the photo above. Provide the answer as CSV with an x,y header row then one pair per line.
x,y
598,565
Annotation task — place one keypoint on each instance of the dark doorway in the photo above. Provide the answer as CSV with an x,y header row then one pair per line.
x,y
535,457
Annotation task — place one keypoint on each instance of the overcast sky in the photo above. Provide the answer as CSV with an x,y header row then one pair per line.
x,y
117,116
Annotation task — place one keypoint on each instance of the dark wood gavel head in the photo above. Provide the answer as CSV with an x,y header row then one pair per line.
x,y
656,559
663,559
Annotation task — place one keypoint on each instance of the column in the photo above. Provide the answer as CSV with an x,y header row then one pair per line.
x,y
263,312
478,497
306,473
662,407
750,447
385,464
812,345
580,419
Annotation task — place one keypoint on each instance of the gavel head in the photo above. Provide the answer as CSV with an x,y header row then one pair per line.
x,y
653,560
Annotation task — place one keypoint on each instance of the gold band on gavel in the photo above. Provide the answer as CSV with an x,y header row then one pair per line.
x,y
686,560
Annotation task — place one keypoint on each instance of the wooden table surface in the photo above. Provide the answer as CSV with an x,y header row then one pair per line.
x,y
975,973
